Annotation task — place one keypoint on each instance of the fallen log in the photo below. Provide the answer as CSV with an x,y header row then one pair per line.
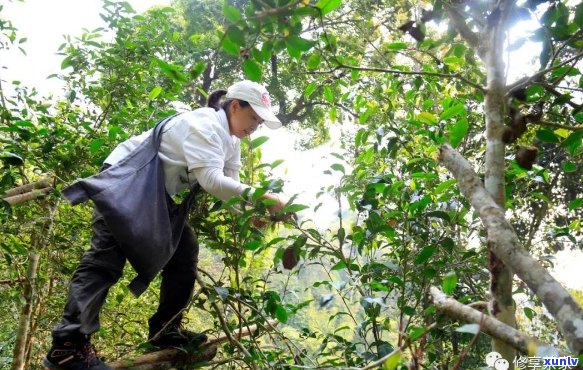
x,y
168,358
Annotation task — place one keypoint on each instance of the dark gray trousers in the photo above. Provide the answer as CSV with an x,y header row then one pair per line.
x,y
102,266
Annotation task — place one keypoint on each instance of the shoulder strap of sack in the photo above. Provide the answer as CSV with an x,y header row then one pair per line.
x,y
157,132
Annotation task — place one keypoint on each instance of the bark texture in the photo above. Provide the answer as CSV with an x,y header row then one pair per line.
x,y
501,275
41,184
29,294
488,324
506,246
25,197
169,358
166,359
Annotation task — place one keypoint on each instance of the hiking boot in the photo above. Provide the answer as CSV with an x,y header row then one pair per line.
x,y
73,354
176,337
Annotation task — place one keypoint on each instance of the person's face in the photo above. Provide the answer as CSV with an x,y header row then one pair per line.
x,y
243,121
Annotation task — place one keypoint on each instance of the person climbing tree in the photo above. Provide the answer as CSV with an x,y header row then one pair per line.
x,y
136,219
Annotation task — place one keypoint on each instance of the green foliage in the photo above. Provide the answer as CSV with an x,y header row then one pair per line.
x,y
359,292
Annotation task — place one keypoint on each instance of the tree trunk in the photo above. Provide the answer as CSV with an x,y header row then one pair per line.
x,y
506,246
29,292
501,276
23,337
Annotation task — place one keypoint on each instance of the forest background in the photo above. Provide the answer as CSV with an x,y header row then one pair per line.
x,y
387,83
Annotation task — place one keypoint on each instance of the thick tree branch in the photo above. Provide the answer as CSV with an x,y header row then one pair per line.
x,y
506,246
409,73
558,125
44,183
12,281
551,89
34,194
460,24
523,82
167,358
488,324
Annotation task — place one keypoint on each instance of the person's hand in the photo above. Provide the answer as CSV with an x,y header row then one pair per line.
x,y
276,208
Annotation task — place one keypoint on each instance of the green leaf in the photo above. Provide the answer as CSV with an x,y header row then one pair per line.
x,y
281,314
341,235
338,167
300,242
198,69
257,142
11,159
425,254
449,283
448,244
339,266
534,93
575,203
573,142
236,35
67,62
528,312
155,92
299,43
293,52
258,193
393,361
457,132
547,136
328,94
326,6
269,202
309,90
439,214
454,62
569,166
276,163
427,117
252,70
579,15
451,112
171,70
415,332
314,61
446,185
253,245
396,46
231,13
293,208
425,176
96,145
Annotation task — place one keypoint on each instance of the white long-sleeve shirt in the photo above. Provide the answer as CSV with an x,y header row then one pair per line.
x,y
196,147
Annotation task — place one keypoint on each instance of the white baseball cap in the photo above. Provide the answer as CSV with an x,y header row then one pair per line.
x,y
258,97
